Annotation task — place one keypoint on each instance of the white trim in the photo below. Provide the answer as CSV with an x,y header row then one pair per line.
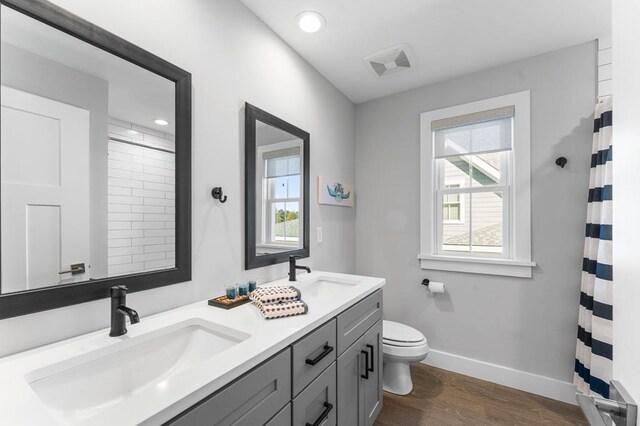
x,y
522,380
477,265
519,214
264,202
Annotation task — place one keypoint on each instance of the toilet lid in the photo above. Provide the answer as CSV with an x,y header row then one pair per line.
x,y
396,332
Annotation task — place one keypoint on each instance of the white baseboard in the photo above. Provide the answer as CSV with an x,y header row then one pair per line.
x,y
528,382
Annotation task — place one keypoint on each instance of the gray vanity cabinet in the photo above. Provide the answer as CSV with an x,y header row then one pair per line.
x,y
331,376
258,395
360,362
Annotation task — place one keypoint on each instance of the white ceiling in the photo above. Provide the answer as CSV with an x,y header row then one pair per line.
x,y
135,95
448,37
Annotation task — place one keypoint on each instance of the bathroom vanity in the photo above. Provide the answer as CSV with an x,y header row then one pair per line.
x,y
203,365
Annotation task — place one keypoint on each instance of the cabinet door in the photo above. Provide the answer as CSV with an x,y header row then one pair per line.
x,y
372,386
350,395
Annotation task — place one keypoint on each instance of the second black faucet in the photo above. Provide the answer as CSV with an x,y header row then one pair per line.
x,y
293,267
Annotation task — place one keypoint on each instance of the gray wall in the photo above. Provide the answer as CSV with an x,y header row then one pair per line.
x,y
525,324
34,74
233,58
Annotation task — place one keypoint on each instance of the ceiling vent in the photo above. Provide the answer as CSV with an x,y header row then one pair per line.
x,y
390,61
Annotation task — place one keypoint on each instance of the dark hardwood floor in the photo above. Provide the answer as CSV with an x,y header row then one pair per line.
x,y
441,397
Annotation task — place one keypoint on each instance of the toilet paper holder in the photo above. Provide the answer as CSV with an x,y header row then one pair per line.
x,y
433,287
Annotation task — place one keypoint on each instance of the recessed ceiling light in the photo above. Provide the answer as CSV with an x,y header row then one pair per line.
x,y
310,21
161,122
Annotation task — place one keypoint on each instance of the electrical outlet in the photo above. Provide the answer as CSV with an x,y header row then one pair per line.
x,y
319,234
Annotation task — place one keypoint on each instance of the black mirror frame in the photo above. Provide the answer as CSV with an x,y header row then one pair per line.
x,y
26,302
251,115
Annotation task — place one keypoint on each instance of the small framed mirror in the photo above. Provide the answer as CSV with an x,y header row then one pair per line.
x,y
95,162
276,189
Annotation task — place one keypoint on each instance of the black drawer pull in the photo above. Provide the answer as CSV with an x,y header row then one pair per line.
x,y
366,365
327,350
373,362
327,409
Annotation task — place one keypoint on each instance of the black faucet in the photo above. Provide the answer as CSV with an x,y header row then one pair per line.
x,y
293,267
119,310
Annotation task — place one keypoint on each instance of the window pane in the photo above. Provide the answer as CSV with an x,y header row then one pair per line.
x,y
277,221
280,184
287,224
293,186
487,223
456,172
486,168
455,226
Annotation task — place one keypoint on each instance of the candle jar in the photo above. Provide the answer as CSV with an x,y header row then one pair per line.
x,y
243,289
252,285
231,291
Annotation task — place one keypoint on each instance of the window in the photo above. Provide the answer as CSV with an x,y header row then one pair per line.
x,y
452,206
475,214
282,197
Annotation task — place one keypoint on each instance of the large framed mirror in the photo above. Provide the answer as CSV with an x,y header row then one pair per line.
x,y
95,162
276,189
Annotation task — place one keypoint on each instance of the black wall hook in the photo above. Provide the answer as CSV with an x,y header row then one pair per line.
x,y
217,194
561,161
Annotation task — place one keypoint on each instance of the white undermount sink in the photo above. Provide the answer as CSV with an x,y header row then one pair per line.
x,y
79,388
325,287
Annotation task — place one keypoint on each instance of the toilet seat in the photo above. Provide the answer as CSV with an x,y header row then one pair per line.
x,y
404,344
401,335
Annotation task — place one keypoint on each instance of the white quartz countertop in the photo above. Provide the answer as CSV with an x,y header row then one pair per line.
x,y
20,405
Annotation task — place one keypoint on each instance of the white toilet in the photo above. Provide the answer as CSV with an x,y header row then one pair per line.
x,y
401,345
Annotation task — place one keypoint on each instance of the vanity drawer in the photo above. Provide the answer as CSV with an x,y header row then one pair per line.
x,y
251,400
312,355
283,418
317,401
356,320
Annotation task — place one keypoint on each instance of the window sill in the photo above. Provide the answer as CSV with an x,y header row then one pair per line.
x,y
504,267
277,246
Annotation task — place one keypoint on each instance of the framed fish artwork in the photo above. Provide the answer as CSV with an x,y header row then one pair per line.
x,y
335,192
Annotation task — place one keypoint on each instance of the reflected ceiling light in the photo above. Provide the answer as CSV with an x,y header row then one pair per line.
x,y
161,122
310,21
132,132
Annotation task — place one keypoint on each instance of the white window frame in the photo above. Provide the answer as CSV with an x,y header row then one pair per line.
x,y
516,259
266,202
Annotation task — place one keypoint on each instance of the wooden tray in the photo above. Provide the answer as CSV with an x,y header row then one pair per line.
x,y
224,303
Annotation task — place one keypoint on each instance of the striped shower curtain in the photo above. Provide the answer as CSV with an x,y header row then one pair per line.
x,y
594,349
